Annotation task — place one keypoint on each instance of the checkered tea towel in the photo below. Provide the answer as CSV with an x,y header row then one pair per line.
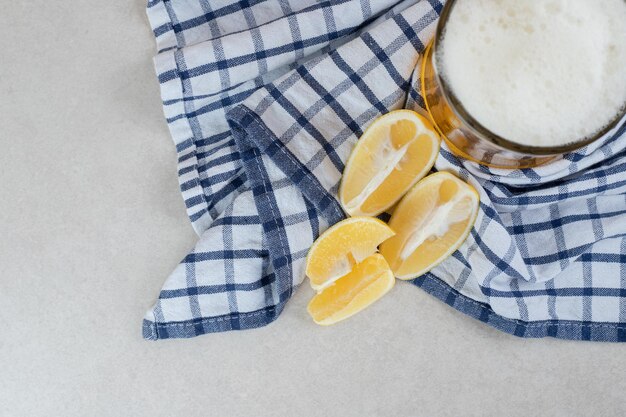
x,y
265,100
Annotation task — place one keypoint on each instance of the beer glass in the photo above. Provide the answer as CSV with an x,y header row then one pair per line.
x,y
465,136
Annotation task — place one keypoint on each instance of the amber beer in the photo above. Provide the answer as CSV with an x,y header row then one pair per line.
x,y
518,83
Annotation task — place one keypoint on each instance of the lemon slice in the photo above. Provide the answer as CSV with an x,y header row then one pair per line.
x,y
431,221
341,247
395,152
366,283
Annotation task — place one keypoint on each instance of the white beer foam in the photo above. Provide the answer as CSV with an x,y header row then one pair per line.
x,y
537,72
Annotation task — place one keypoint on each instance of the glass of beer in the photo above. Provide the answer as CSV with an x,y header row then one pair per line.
x,y
518,83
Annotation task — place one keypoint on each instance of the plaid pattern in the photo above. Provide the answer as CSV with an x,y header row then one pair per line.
x,y
216,54
262,139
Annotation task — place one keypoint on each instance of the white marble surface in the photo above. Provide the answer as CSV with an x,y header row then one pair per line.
x,y
91,223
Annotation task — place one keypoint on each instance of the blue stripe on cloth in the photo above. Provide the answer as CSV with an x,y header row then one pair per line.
x,y
523,229
207,17
186,74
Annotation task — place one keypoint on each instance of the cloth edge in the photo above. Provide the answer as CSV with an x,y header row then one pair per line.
x,y
152,330
559,329
172,92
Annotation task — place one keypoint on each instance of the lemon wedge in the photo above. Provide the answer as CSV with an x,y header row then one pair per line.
x,y
335,253
432,221
395,152
366,283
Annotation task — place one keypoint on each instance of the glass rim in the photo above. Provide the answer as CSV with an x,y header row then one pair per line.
x,y
459,110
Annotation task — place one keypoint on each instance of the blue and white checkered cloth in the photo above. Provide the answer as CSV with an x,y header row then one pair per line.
x,y
265,100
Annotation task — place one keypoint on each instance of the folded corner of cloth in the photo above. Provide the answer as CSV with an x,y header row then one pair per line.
x,y
265,104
